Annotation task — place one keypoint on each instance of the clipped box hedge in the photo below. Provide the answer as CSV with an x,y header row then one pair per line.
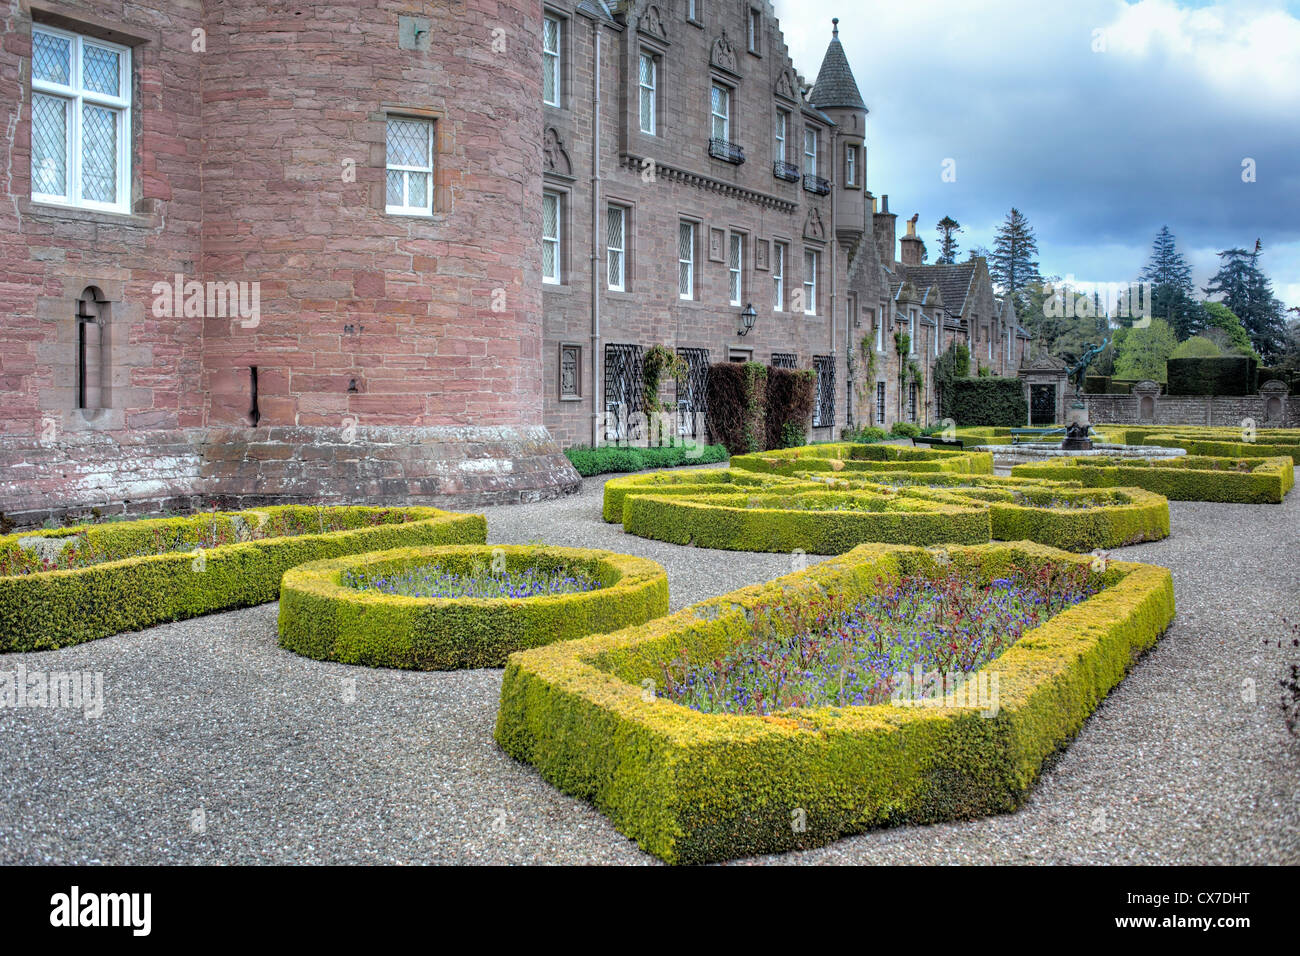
x,y
1071,519
692,787
721,512
1191,478
848,457
324,618
1228,449
815,522
133,590
703,482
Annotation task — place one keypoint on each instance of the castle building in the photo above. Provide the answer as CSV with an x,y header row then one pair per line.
x,y
258,253
699,194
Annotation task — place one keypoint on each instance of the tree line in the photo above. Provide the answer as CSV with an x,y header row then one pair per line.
x,y
1236,312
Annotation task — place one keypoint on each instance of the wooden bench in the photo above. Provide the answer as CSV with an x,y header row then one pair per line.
x,y
930,440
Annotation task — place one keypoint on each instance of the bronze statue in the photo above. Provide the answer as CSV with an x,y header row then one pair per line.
x,y
1080,368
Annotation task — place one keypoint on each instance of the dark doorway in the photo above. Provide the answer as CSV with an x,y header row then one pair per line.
x,y
1042,404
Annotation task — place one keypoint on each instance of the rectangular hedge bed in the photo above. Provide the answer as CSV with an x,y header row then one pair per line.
x,y
1191,478
124,576
845,456
692,786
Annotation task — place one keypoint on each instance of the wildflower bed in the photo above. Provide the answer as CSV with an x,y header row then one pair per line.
x,y
443,608
65,586
691,786
822,514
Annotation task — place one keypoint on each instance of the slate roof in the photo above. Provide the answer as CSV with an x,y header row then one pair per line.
x,y
835,86
954,282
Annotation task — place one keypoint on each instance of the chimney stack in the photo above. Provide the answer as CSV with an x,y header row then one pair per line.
x,y
911,245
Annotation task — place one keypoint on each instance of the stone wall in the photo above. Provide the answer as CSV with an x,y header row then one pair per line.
x,y
1222,410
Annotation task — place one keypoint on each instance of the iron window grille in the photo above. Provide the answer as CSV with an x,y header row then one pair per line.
x,y
880,403
785,360
824,413
692,393
623,375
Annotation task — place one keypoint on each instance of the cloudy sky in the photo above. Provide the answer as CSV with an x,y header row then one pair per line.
x,y
1101,120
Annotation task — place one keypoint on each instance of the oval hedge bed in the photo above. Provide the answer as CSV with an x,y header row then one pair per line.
x,y
127,575
694,786
354,609
815,522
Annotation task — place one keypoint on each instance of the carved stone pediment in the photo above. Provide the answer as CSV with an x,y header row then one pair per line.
x,y
785,87
652,23
724,54
554,155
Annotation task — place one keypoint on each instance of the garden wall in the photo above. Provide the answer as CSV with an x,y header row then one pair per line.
x,y
1275,411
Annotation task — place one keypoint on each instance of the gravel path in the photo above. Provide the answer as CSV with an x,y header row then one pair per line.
x,y
217,746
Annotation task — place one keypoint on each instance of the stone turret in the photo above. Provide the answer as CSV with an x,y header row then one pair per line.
x,y
836,94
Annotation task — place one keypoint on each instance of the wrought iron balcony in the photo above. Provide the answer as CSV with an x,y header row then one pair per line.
x,y
787,171
816,185
725,151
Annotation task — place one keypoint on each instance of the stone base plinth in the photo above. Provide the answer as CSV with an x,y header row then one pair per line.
x,y
73,475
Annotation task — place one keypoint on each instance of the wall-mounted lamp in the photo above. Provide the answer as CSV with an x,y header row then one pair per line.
x,y
747,320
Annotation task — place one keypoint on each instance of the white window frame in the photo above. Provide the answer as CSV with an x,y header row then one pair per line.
x,y
553,60
736,267
688,263
938,332
850,165
724,116
619,251
650,92
880,329
556,240
405,208
810,154
911,331
781,132
76,96
811,260
778,276
755,30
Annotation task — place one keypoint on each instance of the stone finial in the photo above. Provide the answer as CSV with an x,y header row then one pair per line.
x,y
835,28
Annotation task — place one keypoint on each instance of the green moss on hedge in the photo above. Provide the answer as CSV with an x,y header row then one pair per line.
x,y
693,787
54,609
323,618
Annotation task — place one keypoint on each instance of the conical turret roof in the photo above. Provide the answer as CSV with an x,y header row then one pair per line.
x,y
835,87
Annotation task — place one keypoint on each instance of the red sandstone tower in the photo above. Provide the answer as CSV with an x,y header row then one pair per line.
x,y
317,274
